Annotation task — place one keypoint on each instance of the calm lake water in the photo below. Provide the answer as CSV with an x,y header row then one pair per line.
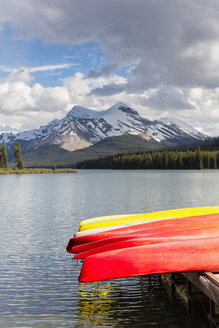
x,y
38,278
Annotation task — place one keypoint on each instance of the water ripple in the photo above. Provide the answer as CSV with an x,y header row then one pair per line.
x,y
39,280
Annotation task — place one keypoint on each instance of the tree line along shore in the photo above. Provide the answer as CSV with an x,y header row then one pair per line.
x,y
167,160
19,166
190,159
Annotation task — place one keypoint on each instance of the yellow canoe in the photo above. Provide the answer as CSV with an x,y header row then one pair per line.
x,y
104,218
116,220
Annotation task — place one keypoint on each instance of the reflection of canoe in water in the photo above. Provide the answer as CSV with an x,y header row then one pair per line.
x,y
110,221
192,255
151,227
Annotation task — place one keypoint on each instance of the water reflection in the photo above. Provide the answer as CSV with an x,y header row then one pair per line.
x,y
39,280
95,305
134,302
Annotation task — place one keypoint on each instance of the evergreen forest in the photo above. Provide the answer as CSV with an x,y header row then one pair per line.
x,y
167,160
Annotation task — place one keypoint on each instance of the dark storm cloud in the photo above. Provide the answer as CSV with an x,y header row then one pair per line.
x,y
168,99
103,71
108,90
173,41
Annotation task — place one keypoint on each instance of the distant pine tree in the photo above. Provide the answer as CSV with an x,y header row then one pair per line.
x,y
1,161
54,166
1,158
4,157
17,156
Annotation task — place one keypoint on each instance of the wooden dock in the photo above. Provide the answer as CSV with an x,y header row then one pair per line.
x,y
199,290
206,282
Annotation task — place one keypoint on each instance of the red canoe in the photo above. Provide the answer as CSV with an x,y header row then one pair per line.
x,y
212,230
140,240
190,255
182,223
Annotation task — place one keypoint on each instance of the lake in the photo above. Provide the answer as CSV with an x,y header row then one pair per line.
x,y
39,279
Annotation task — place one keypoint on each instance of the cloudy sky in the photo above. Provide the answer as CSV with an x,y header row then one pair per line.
x,y
160,57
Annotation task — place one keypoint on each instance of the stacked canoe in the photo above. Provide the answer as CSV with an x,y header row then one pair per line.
x,y
139,244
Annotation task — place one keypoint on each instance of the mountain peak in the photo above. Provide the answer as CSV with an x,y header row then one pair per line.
x,y
120,107
82,112
117,106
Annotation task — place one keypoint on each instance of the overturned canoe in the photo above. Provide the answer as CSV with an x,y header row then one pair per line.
x,y
151,227
140,240
107,221
190,255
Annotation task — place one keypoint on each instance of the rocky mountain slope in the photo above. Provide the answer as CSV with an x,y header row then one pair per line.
x,y
126,143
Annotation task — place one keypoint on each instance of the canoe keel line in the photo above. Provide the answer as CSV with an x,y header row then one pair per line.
x,y
161,242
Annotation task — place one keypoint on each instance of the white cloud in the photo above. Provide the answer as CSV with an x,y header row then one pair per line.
x,y
173,45
50,67
42,68
25,106
20,102
19,75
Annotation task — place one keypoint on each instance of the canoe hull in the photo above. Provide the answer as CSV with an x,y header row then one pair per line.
x,y
135,218
180,256
166,225
140,240
212,230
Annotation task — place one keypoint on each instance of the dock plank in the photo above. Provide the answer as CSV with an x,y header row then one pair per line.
x,y
207,282
213,276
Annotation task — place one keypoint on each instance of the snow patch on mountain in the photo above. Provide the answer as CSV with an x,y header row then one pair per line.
x,y
183,126
82,112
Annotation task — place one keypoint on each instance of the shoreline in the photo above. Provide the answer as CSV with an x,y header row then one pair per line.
x,y
35,171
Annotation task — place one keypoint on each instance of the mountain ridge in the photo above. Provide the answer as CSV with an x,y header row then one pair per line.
x,y
83,127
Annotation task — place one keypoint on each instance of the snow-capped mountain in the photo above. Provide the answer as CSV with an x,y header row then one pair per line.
x,y
183,125
83,127
7,128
